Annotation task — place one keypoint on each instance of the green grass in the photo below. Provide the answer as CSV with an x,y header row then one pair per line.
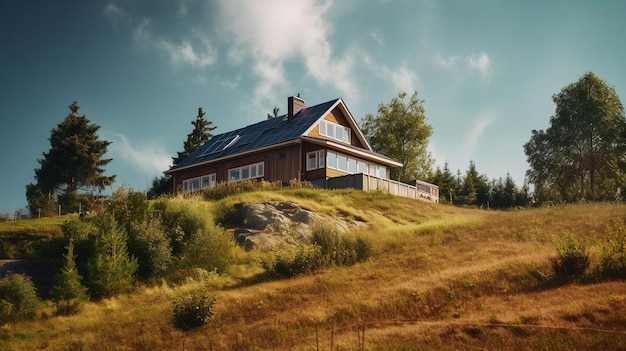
x,y
438,278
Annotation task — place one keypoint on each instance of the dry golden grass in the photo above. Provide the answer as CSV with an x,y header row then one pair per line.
x,y
440,278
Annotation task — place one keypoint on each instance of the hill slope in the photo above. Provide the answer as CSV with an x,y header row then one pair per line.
x,y
439,277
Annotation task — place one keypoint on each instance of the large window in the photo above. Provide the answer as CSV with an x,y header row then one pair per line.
x,y
315,160
335,131
256,170
195,184
351,165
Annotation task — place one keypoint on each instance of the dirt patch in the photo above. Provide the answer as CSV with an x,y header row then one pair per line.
x,y
41,274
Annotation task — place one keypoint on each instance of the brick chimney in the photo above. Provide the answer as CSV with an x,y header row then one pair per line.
x,y
294,105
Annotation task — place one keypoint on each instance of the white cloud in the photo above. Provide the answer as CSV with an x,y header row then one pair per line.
x,y
149,159
377,38
402,78
474,136
480,62
447,63
184,53
275,32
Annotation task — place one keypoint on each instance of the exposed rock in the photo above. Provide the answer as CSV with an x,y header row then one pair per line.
x,y
273,224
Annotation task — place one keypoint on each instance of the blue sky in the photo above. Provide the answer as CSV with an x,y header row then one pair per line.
x,y
487,70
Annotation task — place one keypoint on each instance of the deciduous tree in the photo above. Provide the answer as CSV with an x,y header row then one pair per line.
x,y
583,152
400,131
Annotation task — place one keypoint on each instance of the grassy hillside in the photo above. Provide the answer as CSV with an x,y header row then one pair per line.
x,y
439,278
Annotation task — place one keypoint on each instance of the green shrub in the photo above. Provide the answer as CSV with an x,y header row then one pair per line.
x,y
329,248
18,298
337,249
572,260
211,249
305,260
224,190
192,306
612,262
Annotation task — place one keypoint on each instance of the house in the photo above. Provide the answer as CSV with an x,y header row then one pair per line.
x,y
307,144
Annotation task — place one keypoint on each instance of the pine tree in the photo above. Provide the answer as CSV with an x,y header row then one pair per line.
x,y
200,134
75,161
112,270
68,293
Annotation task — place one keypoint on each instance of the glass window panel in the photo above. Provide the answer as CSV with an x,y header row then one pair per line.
x,y
253,171
245,172
311,161
346,135
260,169
361,167
332,160
321,158
382,172
342,163
330,131
339,132
206,181
322,128
351,165
234,175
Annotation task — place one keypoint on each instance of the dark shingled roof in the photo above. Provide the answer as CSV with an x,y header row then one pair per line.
x,y
255,136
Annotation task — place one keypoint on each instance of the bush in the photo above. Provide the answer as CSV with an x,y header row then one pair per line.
x,y
18,298
211,249
305,260
192,306
571,262
224,190
328,249
612,263
340,250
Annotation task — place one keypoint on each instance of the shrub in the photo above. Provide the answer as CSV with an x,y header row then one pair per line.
x,y
192,306
612,263
329,248
224,190
572,260
305,260
18,298
209,249
336,249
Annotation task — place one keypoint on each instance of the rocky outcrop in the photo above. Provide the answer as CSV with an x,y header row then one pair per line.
x,y
272,224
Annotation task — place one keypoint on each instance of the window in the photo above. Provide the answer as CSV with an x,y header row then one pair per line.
x,y
352,165
252,171
209,181
191,185
335,131
332,160
315,160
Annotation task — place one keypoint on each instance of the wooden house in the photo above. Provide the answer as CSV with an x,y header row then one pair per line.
x,y
307,144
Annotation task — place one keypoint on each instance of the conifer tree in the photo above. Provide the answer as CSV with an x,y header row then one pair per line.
x,y
68,293
74,162
200,134
111,270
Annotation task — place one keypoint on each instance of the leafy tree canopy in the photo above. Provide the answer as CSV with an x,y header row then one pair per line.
x,y
582,153
399,131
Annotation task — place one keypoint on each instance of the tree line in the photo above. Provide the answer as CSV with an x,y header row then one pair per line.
x,y
581,156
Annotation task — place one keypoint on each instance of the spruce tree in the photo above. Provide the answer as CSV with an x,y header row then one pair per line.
x,y
74,162
68,293
111,270
200,134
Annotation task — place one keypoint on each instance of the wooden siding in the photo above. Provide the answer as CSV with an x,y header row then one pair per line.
x,y
336,116
281,164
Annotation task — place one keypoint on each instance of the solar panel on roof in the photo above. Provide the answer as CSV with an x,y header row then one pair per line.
x,y
220,145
